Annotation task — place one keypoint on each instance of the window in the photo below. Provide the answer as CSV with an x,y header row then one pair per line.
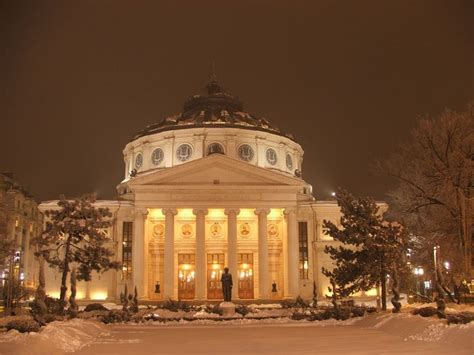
x,y
138,161
215,148
157,156
303,248
184,152
127,235
246,152
271,156
289,161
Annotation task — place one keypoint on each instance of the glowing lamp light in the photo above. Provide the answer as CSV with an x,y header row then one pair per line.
x,y
333,194
447,265
22,276
418,271
99,295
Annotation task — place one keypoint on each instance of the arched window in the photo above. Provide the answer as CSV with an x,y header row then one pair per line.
x,y
215,148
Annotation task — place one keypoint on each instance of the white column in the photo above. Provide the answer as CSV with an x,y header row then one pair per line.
x,y
263,279
169,253
293,253
232,248
200,276
138,252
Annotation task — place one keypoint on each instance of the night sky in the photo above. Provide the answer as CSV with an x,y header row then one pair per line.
x,y
347,78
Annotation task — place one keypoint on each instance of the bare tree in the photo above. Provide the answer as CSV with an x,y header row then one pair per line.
x,y
434,172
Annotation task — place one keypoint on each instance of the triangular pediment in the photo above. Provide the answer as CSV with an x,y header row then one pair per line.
x,y
215,169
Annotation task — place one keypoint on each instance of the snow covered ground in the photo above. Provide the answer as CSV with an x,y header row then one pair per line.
x,y
382,333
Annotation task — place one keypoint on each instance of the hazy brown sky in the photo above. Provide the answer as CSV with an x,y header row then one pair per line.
x,y
347,78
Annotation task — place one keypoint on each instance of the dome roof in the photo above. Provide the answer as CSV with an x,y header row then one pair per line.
x,y
215,109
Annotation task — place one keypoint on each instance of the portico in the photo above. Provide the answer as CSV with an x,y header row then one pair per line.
x,y
190,230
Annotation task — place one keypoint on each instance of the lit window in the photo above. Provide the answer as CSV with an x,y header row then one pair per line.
x,y
157,156
215,148
127,235
271,156
303,249
246,152
184,152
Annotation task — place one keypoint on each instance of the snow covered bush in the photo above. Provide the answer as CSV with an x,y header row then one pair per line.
x,y
175,306
358,311
425,311
242,309
95,307
23,325
460,318
115,316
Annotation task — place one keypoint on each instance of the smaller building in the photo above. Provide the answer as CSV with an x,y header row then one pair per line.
x,y
20,221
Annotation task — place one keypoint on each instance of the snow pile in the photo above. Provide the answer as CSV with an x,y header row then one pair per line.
x,y
413,327
67,336
203,314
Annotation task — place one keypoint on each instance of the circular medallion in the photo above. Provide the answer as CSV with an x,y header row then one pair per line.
x,y
184,152
157,156
244,229
271,156
186,230
216,230
246,152
272,230
159,230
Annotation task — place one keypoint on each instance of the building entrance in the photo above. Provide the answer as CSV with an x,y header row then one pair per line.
x,y
245,262
215,268
186,271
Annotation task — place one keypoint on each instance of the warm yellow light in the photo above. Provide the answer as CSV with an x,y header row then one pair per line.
x,y
155,213
275,213
186,213
216,266
305,265
216,213
80,295
247,213
186,266
371,292
99,295
245,266
54,294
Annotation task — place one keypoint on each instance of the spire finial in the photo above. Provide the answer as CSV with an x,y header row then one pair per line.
x,y
213,87
213,76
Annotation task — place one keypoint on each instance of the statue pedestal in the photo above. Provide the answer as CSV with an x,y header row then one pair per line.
x,y
228,309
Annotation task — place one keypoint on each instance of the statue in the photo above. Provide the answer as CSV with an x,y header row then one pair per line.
x,y
226,280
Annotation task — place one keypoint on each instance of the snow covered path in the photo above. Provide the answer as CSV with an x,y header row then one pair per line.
x,y
260,339
382,333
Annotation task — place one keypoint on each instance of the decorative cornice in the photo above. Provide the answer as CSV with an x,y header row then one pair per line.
x,y
229,211
202,210
259,211
173,211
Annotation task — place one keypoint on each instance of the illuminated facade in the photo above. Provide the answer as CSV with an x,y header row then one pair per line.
x,y
208,188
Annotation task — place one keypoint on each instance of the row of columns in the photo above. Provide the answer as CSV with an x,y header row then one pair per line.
x,y
291,259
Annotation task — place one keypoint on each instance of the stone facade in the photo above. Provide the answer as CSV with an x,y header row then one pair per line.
x,y
209,188
20,221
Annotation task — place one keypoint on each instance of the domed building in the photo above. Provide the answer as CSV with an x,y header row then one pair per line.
x,y
213,187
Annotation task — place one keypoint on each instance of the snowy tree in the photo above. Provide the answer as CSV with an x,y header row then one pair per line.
x,y
369,250
434,171
76,234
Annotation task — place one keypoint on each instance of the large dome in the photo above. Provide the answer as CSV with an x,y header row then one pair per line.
x,y
212,123
214,109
